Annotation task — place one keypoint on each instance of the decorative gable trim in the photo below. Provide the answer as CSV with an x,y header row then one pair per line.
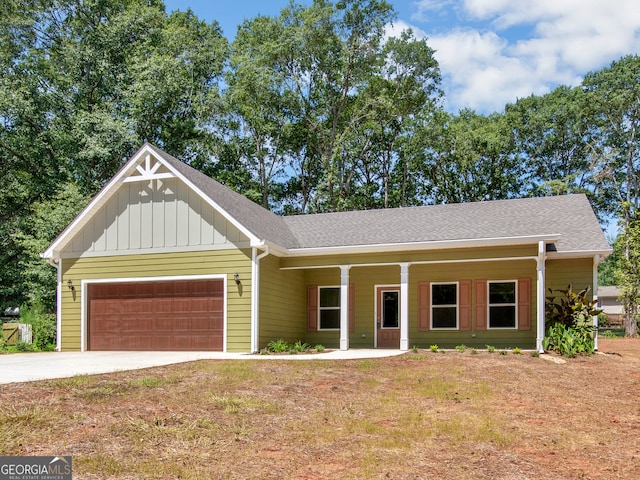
x,y
148,171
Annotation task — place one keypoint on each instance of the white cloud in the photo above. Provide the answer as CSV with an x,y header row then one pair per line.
x,y
486,61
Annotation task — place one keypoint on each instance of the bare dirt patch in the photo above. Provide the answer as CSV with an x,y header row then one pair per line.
x,y
418,416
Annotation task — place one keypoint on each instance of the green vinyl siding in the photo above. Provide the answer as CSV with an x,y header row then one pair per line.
x,y
559,273
215,262
283,303
474,271
578,272
364,280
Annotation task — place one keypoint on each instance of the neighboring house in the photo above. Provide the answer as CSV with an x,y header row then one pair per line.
x,y
165,258
610,304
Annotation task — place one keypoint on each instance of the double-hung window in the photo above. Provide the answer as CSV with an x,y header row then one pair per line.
x,y
503,304
329,308
444,305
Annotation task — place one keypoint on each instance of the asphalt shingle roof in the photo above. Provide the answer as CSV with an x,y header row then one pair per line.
x,y
569,216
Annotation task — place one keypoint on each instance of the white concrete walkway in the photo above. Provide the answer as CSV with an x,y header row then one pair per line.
x,y
27,367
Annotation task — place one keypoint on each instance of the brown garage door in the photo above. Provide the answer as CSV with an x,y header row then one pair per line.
x,y
161,315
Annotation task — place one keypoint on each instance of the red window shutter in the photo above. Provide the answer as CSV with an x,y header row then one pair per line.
x,y
464,304
524,304
481,304
312,308
424,306
352,307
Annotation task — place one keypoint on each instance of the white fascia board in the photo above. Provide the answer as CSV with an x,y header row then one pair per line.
x,y
87,212
579,254
433,245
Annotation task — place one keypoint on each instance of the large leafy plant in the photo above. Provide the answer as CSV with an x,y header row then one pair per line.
x,y
569,317
570,308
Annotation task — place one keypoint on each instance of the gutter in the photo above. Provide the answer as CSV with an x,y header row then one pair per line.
x,y
427,245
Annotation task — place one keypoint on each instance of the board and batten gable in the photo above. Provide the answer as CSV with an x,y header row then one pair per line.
x,y
154,216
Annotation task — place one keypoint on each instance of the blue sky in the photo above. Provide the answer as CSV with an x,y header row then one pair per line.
x,y
491,52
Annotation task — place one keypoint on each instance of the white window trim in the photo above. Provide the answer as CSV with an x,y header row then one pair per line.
x,y
320,308
457,305
489,305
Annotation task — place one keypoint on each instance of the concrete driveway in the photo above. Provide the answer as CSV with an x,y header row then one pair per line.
x,y
28,367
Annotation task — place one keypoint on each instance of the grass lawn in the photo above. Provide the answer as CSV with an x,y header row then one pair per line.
x,y
453,415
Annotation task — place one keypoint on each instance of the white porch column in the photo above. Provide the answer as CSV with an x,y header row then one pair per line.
x,y
596,260
344,307
541,295
404,306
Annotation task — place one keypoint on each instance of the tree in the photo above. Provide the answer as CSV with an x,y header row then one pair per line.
x,y
82,84
466,157
320,102
614,93
46,220
554,135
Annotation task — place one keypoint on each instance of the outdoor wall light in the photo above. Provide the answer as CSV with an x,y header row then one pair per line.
x,y
70,285
236,277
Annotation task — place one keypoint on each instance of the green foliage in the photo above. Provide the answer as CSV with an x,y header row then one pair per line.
x,y
571,308
434,348
281,346
569,319
517,351
461,348
569,341
22,346
490,348
278,346
43,326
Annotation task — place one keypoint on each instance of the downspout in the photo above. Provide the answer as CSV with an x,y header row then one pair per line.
x,y
596,260
57,263
255,297
540,295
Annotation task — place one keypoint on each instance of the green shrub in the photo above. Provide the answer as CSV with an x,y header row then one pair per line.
x,y
299,346
22,346
461,348
278,346
517,351
434,348
490,348
570,309
43,326
319,348
569,341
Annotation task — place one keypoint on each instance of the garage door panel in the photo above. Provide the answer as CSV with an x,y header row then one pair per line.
x,y
167,315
